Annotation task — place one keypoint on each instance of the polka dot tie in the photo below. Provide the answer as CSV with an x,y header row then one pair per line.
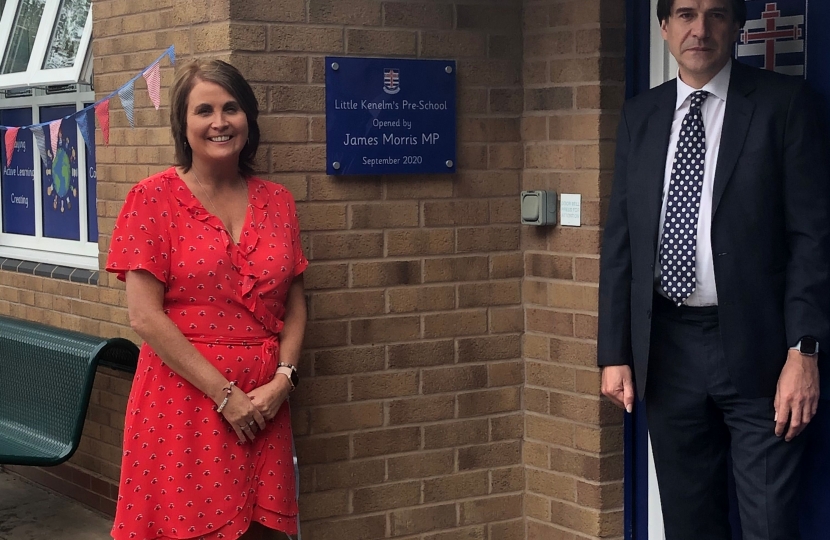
x,y
679,240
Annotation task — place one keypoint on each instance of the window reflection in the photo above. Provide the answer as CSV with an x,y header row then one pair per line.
x,y
24,31
66,37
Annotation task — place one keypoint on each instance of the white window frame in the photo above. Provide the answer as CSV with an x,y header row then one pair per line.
x,y
38,248
35,74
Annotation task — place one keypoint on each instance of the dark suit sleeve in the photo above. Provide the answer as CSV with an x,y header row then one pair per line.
x,y
807,214
614,333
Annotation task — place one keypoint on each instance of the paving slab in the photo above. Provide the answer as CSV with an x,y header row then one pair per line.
x,y
31,512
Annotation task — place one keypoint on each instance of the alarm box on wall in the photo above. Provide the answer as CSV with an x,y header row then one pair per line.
x,y
538,207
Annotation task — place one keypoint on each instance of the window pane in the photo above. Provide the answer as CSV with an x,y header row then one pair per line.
x,y
24,31
61,217
66,38
17,182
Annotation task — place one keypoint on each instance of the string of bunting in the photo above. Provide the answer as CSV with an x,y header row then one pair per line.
x,y
85,118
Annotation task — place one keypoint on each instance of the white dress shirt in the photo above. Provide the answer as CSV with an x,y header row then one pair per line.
x,y
705,293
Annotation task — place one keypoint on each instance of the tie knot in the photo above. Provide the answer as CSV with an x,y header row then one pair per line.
x,y
698,98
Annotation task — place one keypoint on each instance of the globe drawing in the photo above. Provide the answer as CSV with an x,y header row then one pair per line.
x,y
61,172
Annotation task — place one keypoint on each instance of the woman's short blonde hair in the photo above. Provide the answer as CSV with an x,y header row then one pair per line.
x,y
229,78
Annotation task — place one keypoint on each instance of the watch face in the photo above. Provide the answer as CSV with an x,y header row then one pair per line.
x,y
295,379
809,345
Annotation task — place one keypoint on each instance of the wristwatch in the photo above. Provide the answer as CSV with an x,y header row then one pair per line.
x,y
808,346
290,371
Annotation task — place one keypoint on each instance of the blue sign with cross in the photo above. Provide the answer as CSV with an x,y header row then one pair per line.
x,y
390,116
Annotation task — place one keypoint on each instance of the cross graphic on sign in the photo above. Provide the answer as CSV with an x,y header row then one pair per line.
x,y
769,33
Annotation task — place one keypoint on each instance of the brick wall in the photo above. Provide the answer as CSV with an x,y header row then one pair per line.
x,y
409,422
573,87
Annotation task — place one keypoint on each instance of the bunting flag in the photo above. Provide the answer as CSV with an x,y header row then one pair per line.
x,y
127,95
86,124
11,138
40,140
102,111
54,134
153,78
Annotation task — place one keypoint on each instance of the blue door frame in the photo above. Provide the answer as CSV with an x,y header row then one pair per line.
x,y
637,47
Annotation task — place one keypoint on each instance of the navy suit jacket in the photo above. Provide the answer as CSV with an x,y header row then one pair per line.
x,y
770,228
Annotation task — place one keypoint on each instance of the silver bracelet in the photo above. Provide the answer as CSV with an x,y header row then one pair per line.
x,y
228,390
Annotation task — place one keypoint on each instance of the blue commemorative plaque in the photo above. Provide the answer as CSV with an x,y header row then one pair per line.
x,y
390,116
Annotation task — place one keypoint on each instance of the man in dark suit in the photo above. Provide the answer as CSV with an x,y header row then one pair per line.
x,y
715,277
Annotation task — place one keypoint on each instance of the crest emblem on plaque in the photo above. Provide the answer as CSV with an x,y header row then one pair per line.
x,y
773,37
391,81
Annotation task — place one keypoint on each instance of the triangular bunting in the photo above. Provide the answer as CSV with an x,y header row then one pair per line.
x,y
54,134
102,112
153,78
11,138
86,125
40,140
127,95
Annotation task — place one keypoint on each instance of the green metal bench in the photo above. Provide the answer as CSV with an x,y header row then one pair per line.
x,y
46,377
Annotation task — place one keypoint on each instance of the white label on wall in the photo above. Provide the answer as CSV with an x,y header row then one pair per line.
x,y
570,209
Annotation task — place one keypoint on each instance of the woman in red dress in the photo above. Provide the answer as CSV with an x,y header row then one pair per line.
x,y
213,267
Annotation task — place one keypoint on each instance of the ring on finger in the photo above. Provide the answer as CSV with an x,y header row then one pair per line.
x,y
252,423
244,427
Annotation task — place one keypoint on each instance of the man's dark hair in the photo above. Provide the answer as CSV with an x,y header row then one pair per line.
x,y
664,8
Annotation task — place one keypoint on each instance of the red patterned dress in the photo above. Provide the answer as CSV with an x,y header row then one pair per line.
x,y
184,472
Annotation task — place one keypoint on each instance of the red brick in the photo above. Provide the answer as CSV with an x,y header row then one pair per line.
x,y
336,305
424,353
386,42
421,409
422,519
492,293
421,242
384,385
385,330
375,498
455,323
384,274
491,509
422,464
349,474
346,361
346,245
456,486
456,269
510,426
456,212
346,417
386,441
411,299
449,434
453,379
483,402
479,239
384,215
487,348
417,15
311,450
489,455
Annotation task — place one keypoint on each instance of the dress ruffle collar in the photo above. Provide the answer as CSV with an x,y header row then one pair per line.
x,y
238,254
